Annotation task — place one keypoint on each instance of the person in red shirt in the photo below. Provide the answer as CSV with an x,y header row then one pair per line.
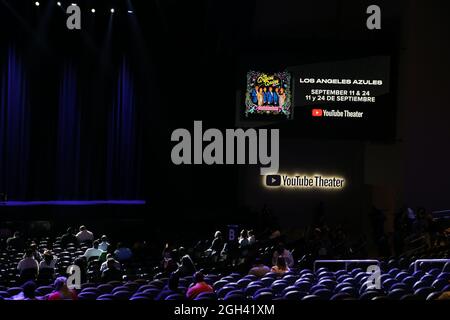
x,y
199,286
62,292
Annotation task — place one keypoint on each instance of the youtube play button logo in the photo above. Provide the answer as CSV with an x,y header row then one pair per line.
x,y
317,112
273,180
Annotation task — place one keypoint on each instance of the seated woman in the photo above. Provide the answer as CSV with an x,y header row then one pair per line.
x,y
281,266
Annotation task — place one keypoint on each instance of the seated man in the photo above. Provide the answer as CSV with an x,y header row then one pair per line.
x,y
84,235
93,252
122,253
28,263
111,273
200,286
104,265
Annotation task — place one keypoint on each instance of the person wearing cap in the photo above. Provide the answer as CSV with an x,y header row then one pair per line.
x,y
62,291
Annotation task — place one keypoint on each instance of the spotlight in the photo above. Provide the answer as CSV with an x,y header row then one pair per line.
x,y
58,4
130,11
93,10
112,10
36,4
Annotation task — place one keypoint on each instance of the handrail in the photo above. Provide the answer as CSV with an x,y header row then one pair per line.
x,y
347,262
416,263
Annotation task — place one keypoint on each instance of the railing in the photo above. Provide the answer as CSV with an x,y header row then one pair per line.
x,y
416,264
347,262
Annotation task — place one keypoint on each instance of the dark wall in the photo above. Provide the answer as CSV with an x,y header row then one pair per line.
x,y
425,106
295,207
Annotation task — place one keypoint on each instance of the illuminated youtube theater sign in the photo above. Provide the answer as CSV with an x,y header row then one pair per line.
x,y
303,182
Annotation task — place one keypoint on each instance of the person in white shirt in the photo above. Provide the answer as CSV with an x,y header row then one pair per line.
x,y
84,235
104,243
251,238
49,262
28,262
243,239
93,252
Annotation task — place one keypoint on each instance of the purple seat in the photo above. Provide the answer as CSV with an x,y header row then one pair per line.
x,y
206,296
303,286
121,288
420,284
152,293
401,276
14,290
439,284
369,295
222,292
423,292
340,296
387,284
43,290
409,281
444,276
234,296
446,288
243,283
263,296
324,294
87,296
434,272
290,279
349,290
106,297
293,295
267,281
219,284
139,297
311,297
105,288
250,291
318,287
175,296
396,294
434,295
122,295
399,286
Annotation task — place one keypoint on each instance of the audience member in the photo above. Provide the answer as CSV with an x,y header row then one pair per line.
x,y
104,265
103,245
28,262
199,286
62,291
48,261
111,273
15,242
93,252
280,267
281,251
122,253
68,238
84,235
259,269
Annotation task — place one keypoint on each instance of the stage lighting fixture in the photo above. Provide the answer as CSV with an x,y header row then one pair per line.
x,y
130,11
112,10
36,4
58,4
93,10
